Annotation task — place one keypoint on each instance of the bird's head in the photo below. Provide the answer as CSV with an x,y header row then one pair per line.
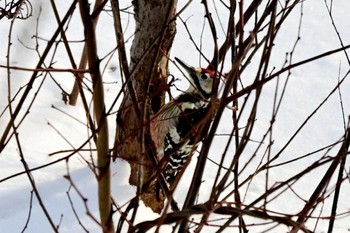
x,y
201,79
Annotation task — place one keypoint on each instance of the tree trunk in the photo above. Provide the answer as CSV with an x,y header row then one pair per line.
x,y
144,95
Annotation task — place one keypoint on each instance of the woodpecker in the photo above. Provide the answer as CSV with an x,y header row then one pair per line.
x,y
174,127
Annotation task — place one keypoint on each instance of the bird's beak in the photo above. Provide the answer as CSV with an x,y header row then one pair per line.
x,y
188,68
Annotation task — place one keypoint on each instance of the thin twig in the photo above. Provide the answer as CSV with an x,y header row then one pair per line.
x,y
29,211
5,136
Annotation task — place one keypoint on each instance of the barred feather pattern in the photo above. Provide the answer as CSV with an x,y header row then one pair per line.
x,y
175,122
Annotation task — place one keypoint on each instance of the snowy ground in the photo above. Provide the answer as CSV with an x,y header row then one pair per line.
x,y
47,129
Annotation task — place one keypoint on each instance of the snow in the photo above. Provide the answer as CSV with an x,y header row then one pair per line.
x,y
51,126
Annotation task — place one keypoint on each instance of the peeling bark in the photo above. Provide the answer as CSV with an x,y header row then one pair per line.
x,y
154,34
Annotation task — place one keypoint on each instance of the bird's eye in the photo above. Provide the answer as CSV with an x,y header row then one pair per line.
x,y
204,76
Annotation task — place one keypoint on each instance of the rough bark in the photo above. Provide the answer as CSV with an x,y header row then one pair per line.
x,y
144,95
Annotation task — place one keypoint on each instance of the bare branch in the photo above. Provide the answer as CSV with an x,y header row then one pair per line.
x,y
103,158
